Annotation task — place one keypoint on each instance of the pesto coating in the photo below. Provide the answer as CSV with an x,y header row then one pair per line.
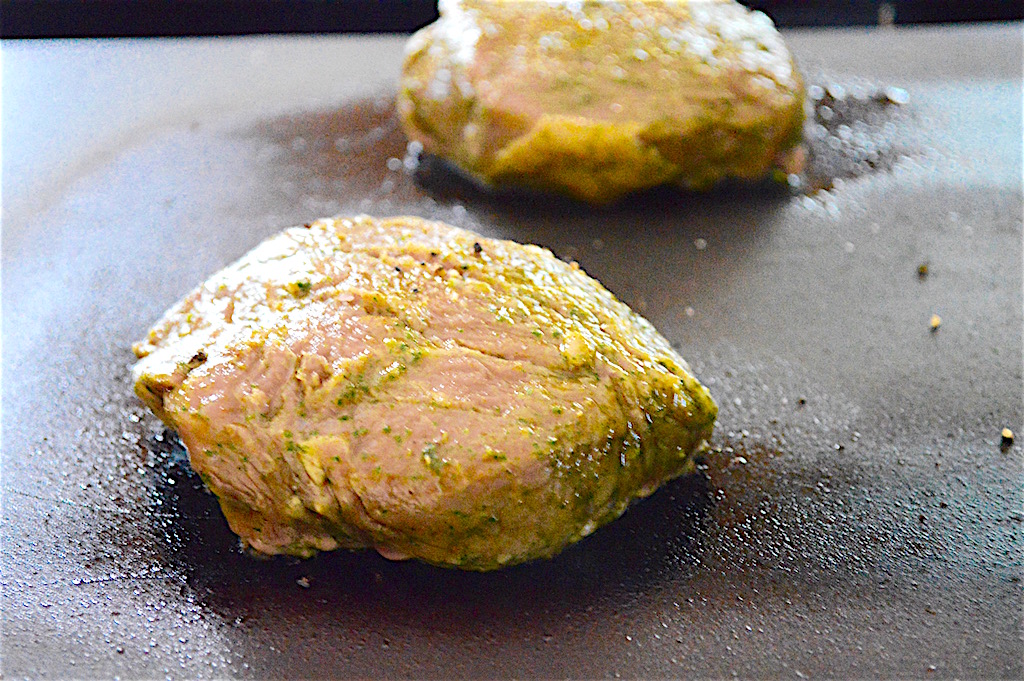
x,y
410,387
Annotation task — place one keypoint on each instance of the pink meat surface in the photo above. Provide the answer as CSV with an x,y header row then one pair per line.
x,y
415,388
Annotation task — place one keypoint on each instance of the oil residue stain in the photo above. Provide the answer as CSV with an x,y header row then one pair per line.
x,y
852,130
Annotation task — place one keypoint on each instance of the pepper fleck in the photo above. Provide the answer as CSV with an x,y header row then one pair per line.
x,y
477,248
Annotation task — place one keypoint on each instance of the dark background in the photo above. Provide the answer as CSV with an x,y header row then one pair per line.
x,y
108,18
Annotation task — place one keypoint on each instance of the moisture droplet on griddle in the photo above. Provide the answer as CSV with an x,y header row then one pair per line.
x,y
851,132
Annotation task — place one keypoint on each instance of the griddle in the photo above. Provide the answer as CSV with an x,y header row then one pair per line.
x,y
858,514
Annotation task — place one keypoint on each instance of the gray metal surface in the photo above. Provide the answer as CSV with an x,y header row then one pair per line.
x,y
860,517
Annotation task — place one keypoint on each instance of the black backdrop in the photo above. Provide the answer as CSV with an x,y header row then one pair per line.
x,y
107,18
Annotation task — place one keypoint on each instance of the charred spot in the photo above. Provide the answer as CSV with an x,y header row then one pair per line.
x,y
159,391
477,248
197,359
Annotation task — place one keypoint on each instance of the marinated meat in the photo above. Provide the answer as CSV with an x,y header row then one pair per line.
x,y
597,99
415,388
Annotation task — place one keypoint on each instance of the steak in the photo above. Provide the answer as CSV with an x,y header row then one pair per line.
x,y
598,99
411,387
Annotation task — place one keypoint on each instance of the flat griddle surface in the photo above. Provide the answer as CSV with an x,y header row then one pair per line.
x,y
859,517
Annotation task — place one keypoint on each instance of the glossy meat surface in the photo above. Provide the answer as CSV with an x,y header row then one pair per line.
x,y
415,388
599,99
